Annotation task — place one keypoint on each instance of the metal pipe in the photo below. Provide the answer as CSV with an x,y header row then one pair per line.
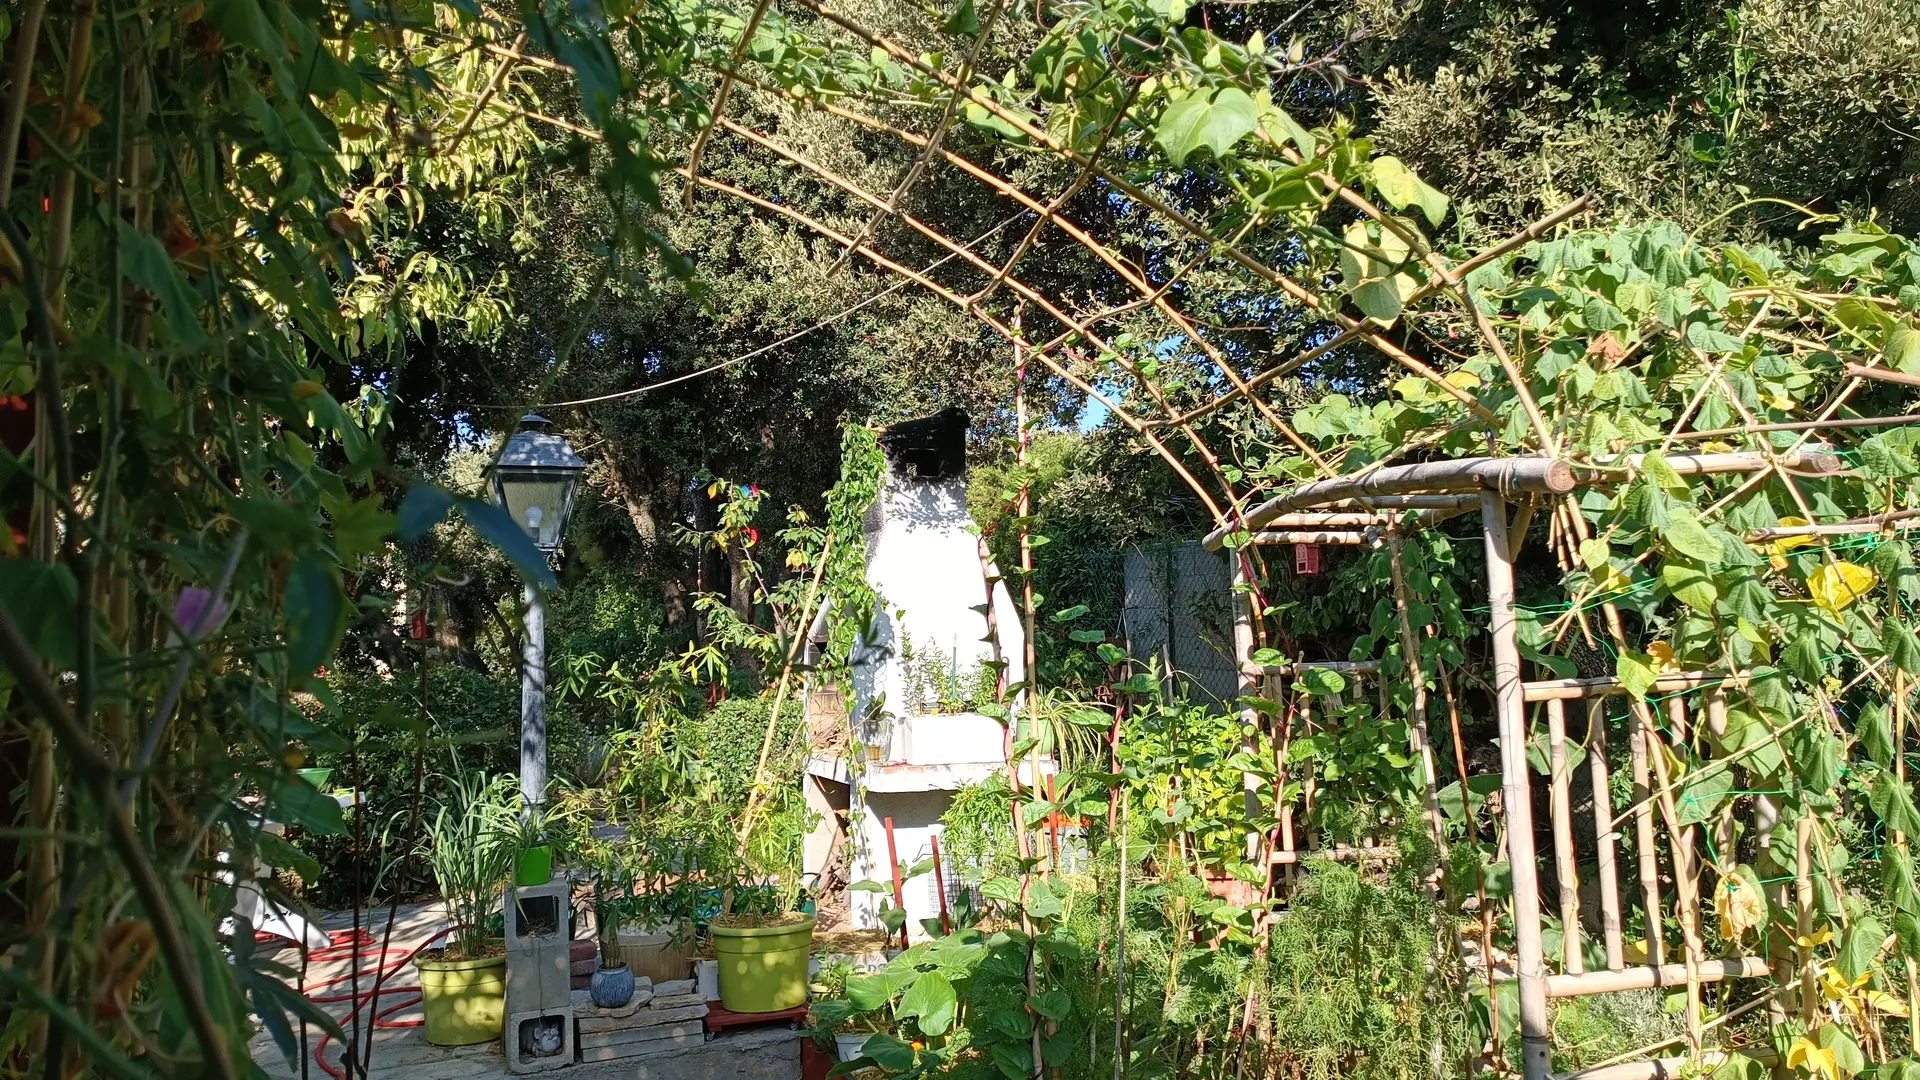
x,y
533,700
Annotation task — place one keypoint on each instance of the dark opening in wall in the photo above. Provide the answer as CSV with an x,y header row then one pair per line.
x,y
930,448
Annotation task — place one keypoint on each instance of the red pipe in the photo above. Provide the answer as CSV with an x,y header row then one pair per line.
x,y
899,896
940,885
358,944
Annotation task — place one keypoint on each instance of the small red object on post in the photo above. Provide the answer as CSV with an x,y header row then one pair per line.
x,y
1306,558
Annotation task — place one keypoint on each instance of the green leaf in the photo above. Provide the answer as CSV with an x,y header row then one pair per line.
x,y
1894,803
1004,889
931,1001
1014,1060
43,600
1803,658
277,851
1637,672
1897,638
891,1054
1070,614
1193,121
1595,552
1323,681
1052,1004
870,992
964,21
1860,948
148,265
1042,904
1903,347
316,613
1684,535
1690,584
1876,734
500,530
1272,116
1700,795
423,508
1846,1052
1399,186
297,802
1016,1024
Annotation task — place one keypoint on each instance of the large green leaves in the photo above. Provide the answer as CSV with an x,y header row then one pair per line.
x,y
930,1002
1196,119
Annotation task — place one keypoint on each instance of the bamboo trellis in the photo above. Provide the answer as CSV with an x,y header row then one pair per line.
x,y
1370,507
1575,714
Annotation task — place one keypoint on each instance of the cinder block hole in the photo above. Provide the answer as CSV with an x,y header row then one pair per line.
x,y
542,1037
537,916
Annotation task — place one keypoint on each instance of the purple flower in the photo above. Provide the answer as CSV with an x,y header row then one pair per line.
x,y
197,613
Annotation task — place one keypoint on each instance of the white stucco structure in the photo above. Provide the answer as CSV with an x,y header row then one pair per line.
x,y
924,561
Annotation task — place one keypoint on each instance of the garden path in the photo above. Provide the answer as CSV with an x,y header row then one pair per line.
x,y
403,1053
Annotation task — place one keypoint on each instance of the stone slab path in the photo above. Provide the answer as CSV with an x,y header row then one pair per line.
x,y
403,1053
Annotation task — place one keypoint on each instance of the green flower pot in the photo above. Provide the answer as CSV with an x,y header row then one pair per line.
x,y
465,1000
534,865
763,968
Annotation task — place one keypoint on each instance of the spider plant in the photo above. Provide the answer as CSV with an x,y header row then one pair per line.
x,y
470,845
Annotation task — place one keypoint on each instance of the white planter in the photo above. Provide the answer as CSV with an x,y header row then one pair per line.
x,y
848,1046
706,978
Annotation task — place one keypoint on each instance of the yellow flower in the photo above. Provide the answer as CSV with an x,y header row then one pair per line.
x,y
1740,905
1816,1060
1835,585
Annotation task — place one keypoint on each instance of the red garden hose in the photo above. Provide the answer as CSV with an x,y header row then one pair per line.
x,y
346,945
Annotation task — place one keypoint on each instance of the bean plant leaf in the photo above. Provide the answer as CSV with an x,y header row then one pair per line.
x,y
1636,672
1876,734
1323,681
1894,803
42,599
1684,534
1014,1060
149,266
1802,657
1860,948
1052,1004
297,802
1399,186
1901,647
1195,119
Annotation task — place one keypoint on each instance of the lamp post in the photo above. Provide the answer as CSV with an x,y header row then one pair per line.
x,y
534,481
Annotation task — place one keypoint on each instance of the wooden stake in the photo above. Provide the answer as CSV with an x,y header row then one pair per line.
x,y
1243,615
1515,474
1603,832
1535,1044
1561,805
1416,676
899,894
1644,840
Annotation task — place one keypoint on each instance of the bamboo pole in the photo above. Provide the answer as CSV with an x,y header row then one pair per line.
x,y
1243,616
1431,477
1343,667
1353,519
1644,840
1561,808
1649,976
1480,884
1416,675
1805,425
1534,1037
1880,374
1283,805
1723,838
1899,836
1338,853
1905,519
1686,879
1316,536
1606,685
1803,915
1744,461
1605,866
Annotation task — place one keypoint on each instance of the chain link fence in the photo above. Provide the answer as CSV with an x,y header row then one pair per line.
x,y
1177,610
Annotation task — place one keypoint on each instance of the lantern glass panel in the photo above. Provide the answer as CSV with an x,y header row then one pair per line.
x,y
538,502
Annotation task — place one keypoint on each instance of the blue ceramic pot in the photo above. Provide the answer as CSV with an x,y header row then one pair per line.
x,y
611,987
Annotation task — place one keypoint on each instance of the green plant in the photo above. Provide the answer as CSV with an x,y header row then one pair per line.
x,y
470,844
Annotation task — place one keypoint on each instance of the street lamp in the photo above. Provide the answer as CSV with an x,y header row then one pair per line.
x,y
534,481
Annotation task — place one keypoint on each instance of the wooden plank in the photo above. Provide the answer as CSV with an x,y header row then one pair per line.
x,y
1649,976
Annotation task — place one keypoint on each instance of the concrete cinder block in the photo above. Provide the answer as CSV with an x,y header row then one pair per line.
x,y
537,980
539,1040
536,915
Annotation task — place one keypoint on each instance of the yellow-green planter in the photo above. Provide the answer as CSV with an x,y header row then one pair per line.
x,y
465,1000
763,968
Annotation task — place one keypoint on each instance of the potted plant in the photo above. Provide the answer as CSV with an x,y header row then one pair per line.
x,y
469,846
536,832
834,1018
610,872
657,921
761,939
